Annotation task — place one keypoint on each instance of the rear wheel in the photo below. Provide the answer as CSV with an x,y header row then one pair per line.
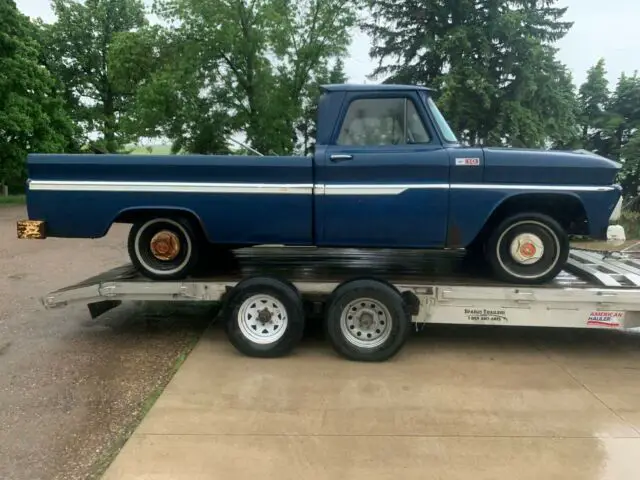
x,y
367,321
266,317
528,248
164,248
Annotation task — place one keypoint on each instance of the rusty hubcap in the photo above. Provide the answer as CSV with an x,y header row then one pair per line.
x,y
165,245
528,250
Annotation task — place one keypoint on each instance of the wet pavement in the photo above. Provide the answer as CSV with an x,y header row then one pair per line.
x,y
467,403
72,387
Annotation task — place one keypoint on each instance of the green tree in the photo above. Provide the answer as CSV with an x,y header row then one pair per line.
x,y
609,122
306,125
621,130
623,117
77,47
32,115
172,88
247,65
492,62
630,174
598,121
593,98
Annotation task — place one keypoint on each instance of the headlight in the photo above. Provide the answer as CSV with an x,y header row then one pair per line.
x,y
617,211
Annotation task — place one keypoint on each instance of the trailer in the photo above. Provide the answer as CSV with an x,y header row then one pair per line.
x,y
370,300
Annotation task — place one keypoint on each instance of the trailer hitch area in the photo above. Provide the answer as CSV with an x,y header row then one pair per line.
x,y
50,303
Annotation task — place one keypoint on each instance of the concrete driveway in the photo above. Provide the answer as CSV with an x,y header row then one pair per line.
x,y
71,388
458,403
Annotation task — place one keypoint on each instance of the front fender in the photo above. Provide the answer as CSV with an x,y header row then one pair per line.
x,y
471,209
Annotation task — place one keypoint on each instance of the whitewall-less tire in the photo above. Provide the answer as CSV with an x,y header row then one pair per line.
x,y
367,320
265,317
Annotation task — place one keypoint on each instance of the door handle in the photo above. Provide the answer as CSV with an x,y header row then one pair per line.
x,y
341,157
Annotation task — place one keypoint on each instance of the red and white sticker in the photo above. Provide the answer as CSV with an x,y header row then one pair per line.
x,y
468,162
605,319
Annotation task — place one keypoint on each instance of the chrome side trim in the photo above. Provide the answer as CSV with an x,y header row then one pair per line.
x,y
289,188
556,188
171,187
382,189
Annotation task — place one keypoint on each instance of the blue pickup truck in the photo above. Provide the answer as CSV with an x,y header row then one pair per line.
x,y
387,172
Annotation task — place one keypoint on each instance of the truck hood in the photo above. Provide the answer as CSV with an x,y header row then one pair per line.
x,y
554,167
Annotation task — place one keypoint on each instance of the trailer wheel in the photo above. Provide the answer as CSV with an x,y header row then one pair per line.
x,y
266,317
164,248
528,248
367,320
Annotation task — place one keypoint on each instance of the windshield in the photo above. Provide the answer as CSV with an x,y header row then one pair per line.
x,y
447,133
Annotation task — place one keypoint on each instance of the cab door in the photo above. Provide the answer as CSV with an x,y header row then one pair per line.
x,y
383,181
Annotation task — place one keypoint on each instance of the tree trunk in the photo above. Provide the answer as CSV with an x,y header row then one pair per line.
x,y
109,123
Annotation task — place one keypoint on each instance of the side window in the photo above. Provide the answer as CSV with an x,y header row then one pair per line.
x,y
382,121
416,133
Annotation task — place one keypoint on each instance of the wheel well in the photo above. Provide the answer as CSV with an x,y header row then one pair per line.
x,y
566,209
141,214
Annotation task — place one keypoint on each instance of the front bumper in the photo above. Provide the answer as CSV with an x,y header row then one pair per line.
x,y
32,229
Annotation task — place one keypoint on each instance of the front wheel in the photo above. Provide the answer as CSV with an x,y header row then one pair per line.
x,y
528,248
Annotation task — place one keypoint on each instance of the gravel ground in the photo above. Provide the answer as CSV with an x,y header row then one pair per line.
x,y
72,388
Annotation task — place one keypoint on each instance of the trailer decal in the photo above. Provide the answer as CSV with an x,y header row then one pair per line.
x,y
605,319
483,315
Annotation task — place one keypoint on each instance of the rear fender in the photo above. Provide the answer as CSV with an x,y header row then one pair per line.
x,y
132,214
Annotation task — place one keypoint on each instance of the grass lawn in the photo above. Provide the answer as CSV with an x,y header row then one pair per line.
x,y
12,200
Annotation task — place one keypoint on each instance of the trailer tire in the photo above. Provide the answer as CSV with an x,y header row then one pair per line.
x,y
367,320
528,248
265,317
177,248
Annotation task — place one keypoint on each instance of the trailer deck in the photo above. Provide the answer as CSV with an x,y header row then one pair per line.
x,y
596,290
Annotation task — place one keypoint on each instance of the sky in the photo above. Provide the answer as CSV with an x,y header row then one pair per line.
x,y
602,29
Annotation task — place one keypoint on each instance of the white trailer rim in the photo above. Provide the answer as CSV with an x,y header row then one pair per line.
x,y
366,323
262,319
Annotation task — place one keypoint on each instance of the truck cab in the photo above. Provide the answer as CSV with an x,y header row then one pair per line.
x,y
383,169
